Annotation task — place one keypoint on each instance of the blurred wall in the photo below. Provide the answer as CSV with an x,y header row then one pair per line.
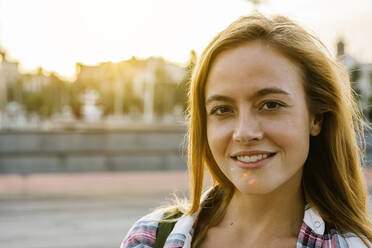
x,y
84,151
133,149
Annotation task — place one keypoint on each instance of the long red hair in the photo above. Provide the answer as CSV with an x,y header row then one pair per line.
x,y
333,182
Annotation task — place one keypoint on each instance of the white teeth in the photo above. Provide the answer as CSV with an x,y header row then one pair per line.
x,y
254,158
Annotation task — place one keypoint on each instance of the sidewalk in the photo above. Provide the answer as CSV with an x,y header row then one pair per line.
x,y
92,210
99,184
91,184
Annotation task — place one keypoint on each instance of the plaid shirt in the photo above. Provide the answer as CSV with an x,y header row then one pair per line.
x,y
312,233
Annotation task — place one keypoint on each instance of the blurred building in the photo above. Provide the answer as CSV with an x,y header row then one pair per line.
x,y
360,77
9,76
150,90
137,87
35,82
9,69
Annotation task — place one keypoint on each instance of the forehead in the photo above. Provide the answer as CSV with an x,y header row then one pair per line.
x,y
254,66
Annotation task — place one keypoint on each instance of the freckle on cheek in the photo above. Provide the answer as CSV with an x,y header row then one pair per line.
x,y
251,181
246,174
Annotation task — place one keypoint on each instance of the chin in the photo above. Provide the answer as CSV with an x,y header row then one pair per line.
x,y
255,189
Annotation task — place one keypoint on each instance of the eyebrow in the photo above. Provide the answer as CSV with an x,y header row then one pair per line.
x,y
260,93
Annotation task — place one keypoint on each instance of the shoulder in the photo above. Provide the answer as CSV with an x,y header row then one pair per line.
x,y
349,240
353,241
314,230
143,232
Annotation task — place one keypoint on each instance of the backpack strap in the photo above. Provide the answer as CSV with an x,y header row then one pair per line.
x,y
166,227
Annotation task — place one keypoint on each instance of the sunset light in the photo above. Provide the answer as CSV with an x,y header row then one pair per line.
x,y
107,137
56,34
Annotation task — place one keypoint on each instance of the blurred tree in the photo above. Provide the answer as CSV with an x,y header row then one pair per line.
x,y
34,102
182,91
356,90
106,102
75,93
14,92
164,91
183,87
132,104
57,92
355,74
354,80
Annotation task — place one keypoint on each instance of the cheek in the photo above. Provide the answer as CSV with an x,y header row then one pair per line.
x,y
218,136
290,134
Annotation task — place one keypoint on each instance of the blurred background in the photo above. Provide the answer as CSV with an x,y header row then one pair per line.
x,y
92,102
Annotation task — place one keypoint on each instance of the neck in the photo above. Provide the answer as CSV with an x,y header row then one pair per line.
x,y
278,213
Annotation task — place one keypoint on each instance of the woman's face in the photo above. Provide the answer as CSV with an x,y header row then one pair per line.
x,y
258,124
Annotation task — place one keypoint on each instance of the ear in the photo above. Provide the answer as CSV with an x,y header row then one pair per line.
x,y
316,122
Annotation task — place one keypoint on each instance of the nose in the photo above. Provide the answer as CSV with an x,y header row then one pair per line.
x,y
247,129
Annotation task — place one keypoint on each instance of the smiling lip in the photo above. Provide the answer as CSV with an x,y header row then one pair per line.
x,y
255,164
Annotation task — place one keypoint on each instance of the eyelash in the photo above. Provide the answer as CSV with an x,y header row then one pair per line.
x,y
217,108
278,105
262,107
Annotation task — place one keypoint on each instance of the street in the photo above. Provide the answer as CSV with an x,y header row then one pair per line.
x,y
75,220
67,223
93,210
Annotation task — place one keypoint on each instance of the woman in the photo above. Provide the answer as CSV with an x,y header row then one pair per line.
x,y
274,121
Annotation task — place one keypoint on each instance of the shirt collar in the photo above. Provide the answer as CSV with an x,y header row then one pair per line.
x,y
185,224
313,220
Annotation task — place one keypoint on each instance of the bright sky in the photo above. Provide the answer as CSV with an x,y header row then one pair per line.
x,y
55,34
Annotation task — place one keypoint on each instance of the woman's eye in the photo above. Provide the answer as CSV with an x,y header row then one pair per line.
x,y
220,110
271,105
